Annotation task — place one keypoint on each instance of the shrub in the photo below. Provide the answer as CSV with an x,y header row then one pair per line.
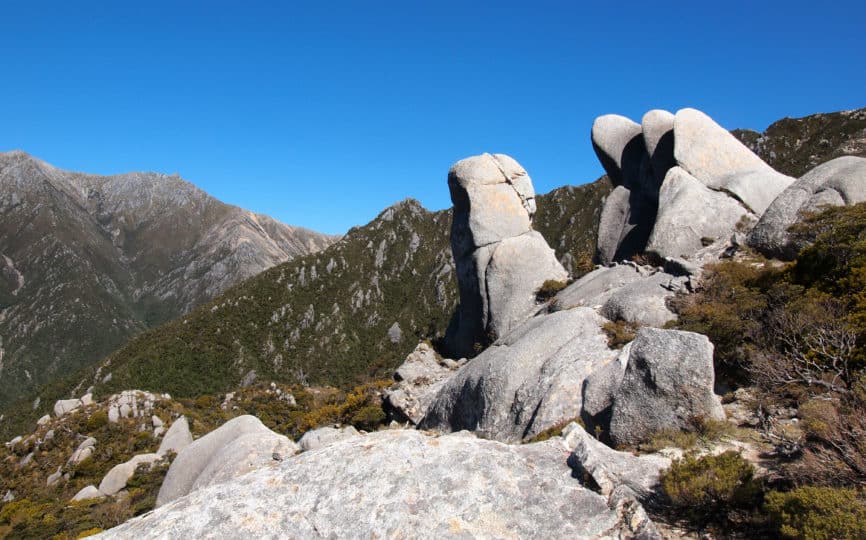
x,y
818,513
549,289
619,333
97,420
706,487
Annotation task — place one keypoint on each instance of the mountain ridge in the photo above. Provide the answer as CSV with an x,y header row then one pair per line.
x,y
90,260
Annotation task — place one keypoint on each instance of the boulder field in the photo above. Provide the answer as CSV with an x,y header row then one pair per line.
x,y
516,366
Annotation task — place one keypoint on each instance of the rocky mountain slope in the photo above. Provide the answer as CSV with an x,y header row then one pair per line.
x,y
87,261
794,145
350,312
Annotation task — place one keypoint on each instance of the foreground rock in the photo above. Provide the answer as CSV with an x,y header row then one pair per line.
x,y
501,262
396,484
839,182
241,445
526,382
668,381
119,475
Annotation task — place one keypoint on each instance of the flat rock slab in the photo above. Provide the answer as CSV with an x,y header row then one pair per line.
x,y
395,484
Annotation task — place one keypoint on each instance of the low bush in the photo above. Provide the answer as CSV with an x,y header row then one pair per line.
x,y
549,289
818,513
709,487
619,333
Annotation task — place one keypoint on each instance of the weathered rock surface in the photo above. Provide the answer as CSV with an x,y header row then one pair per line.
x,y
324,436
668,381
690,214
611,469
130,404
240,445
88,492
83,451
527,381
445,487
418,380
628,292
674,174
838,182
657,127
617,142
599,389
176,438
720,161
65,406
500,261
116,479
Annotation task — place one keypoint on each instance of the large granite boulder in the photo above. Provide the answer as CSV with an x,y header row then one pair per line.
x,y
691,214
658,135
396,484
527,381
668,382
839,182
618,143
501,262
716,158
240,445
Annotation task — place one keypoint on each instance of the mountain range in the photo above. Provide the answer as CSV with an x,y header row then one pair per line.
x,y
88,261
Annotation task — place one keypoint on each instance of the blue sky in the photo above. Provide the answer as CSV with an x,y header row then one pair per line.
x,y
323,113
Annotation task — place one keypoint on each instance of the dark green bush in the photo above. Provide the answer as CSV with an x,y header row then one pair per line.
x,y
549,289
818,513
710,486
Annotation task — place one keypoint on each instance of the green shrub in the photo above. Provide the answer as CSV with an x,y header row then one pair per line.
x,y
706,487
818,513
619,333
549,289
97,420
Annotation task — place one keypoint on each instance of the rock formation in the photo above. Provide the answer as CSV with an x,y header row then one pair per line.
x,y
667,383
682,181
839,182
397,483
501,262
241,445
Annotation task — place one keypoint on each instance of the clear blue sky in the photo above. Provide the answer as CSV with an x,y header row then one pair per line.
x,y
323,113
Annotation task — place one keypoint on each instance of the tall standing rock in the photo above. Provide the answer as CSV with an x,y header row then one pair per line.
x,y
627,217
501,262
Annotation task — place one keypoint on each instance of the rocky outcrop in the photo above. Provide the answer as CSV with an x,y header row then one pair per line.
x,y
629,292
88,492
418,379
527,381
176,438
392,484
240,445
324,436
839,182
83,451
667,383
66,406
116,479
691,214
611,469
681,181
501,262
131,404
